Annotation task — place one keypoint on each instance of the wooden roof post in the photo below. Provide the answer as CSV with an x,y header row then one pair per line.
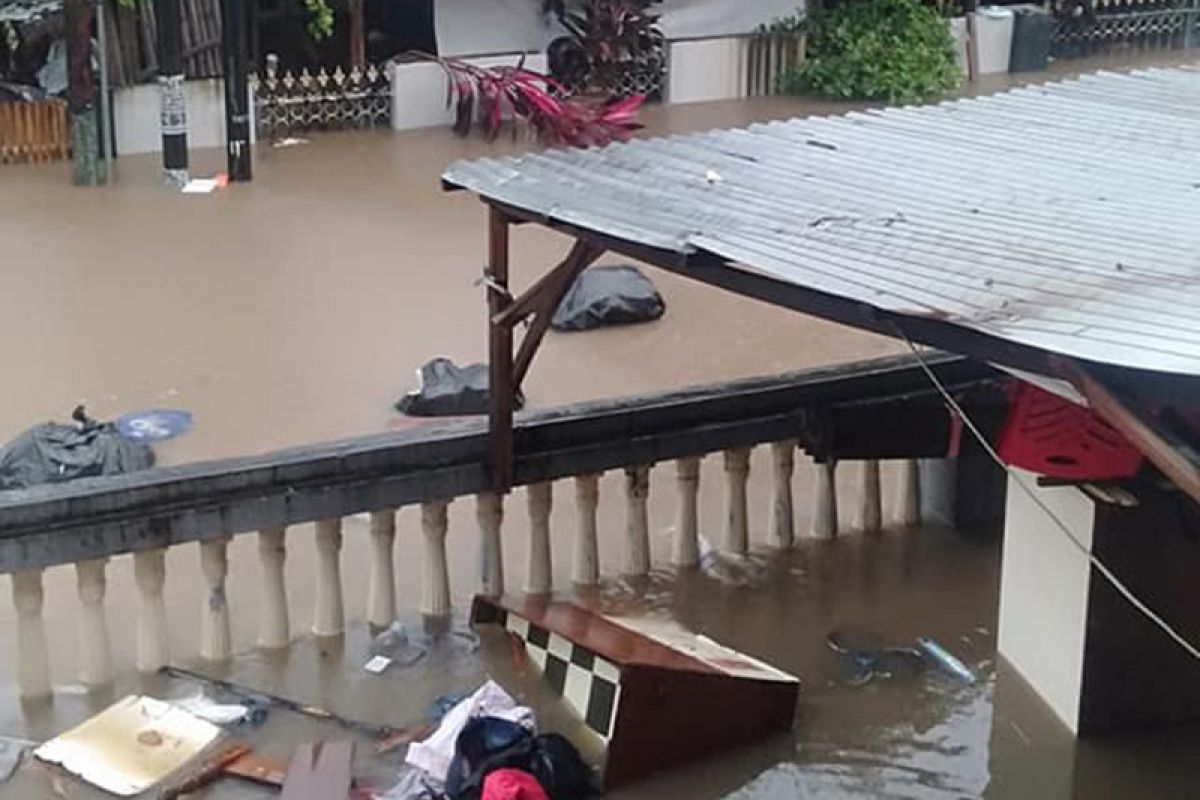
x,y
501,390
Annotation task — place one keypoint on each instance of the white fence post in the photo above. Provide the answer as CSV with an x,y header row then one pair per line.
x,y
783,513
381,588
274,628
33,660
586,568
150,575
435,589
329,617
539,575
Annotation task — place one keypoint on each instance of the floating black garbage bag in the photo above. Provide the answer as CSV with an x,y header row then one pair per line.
x,y
604,296
56,453
448,390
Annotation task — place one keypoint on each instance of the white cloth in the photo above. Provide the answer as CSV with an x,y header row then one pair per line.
x,y
435,753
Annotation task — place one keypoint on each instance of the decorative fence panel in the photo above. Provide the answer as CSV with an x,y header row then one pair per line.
x,y
1084,27
288,103
33,132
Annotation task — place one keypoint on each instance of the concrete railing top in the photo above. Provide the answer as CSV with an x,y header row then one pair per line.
x,y
98,517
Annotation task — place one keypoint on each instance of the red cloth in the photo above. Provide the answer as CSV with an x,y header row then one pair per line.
x,y
512,784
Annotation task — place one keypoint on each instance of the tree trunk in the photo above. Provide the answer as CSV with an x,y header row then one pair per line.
x,y
87,167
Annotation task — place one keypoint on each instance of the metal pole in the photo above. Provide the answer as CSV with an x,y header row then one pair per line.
x,y
105,97
173,117
237,95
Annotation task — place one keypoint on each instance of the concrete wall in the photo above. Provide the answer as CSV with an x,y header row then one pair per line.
x,y
707,69
699,71
1044,586
136,116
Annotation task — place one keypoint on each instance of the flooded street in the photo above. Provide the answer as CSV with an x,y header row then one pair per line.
x,y
923,736
297,308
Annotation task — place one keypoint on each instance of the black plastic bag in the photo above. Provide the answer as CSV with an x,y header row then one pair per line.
x,y
486,744
55,453
559,768
448,390
604,296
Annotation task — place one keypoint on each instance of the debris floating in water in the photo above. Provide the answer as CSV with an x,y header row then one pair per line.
x,y
947,661
200,186
154,424
865,660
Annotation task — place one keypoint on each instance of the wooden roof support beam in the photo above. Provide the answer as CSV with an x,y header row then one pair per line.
x,y
547,295
501,391
1174,458
506,373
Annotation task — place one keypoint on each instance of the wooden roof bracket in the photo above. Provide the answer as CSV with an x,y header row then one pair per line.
x,y
1175,459
506,373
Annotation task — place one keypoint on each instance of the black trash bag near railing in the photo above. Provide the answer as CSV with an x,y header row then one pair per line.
x,y
56,453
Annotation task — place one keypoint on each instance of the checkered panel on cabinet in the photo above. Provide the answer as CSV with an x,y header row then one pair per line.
x,y
590,684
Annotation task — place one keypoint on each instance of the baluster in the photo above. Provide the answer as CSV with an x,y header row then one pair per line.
x,y
687,543
637,523
783,515
215,638
95,658
435,589
870,503
737,470
274,629
586,569
825,508
33,661
539,577
909,506
329,619
489,512
381,591
150,575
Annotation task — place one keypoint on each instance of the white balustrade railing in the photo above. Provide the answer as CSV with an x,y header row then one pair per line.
x,y
95,667
336,481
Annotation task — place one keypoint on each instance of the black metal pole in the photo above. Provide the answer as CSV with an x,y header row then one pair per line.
x,y
173,117
235,41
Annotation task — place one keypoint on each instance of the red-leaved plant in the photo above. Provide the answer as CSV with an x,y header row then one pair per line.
x,y
485,97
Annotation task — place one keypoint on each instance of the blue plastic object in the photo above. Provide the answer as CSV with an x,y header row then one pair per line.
x,y
154,424
945,660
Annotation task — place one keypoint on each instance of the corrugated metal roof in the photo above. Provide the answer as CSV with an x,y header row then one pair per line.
x,y
1064,217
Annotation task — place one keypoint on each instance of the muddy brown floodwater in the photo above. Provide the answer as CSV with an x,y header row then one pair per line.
x,y
297,308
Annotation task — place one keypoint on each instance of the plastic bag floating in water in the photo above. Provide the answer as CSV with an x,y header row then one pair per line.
x,y
604,296
56,453
446,389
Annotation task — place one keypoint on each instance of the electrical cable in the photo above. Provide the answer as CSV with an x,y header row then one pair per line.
x,y
1101,568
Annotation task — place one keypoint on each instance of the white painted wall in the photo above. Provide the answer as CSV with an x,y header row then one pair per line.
x,y
136,116
707,69
419,90
1044,592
